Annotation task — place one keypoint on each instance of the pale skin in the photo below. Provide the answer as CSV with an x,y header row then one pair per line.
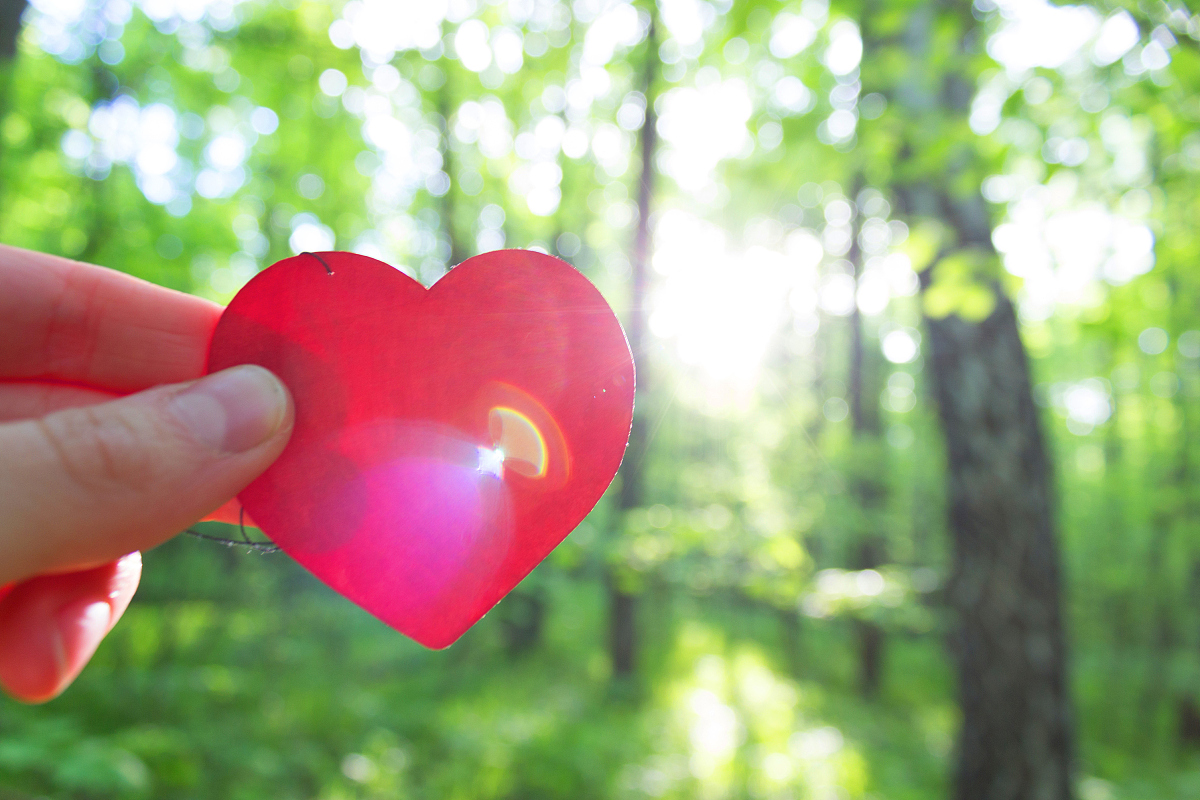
x,y
110,443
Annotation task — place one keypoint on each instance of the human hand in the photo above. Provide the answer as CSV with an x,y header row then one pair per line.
x,y
95,464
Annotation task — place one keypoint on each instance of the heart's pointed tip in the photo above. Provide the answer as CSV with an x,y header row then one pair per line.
x,y
435,641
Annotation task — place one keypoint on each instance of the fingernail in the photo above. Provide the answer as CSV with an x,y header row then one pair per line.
x,y
79,628
129,568
234,410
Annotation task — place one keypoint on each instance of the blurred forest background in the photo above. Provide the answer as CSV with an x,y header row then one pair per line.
x,y
911,506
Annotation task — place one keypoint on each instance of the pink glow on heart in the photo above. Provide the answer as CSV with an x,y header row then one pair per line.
x,y
422,507
446,440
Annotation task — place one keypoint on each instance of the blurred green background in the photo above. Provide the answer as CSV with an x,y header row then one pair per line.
x,y
765,614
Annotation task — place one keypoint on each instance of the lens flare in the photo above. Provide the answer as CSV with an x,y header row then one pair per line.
x,y
491,461
521,431
520,443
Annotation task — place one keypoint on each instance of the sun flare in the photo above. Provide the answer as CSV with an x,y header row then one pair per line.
x,y
721,308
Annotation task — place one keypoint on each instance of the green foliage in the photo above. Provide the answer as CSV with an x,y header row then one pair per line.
x,y
958,287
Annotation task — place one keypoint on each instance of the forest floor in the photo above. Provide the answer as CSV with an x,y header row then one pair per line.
x,y
237,676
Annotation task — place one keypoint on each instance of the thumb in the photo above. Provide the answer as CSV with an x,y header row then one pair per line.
x,y
84,486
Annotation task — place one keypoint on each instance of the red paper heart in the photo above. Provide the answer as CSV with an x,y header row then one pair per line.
x,y
446,439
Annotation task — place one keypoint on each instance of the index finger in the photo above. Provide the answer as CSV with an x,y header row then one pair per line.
x,y
68,321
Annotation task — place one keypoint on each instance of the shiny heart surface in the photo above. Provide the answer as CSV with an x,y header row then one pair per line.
x,y
446,439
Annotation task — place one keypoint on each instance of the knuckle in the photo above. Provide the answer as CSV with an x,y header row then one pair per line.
x,y
100,453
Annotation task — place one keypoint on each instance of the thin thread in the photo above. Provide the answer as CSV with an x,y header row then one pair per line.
x,y
318,258
260,547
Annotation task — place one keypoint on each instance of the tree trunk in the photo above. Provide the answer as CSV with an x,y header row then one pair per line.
x,y
522,617
622,631
1016,741
866,481
622,603
447,206
10,28
1016,737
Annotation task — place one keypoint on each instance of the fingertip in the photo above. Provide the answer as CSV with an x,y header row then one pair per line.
x,y
30,656
235,410
77,629
50,626
127,574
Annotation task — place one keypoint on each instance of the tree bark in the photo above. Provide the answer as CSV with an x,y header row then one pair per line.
x,y
1016,739
522,618
10,27
866,482
10,30
623,641
622,631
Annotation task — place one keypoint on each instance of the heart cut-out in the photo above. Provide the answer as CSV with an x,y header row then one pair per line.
x,y
446,439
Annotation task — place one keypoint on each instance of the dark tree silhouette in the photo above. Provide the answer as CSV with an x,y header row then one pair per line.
x,y
10,27
622,603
